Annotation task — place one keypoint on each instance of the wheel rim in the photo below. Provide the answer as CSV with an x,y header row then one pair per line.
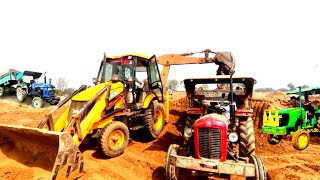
x,y
302,141
116,139
1,91
158,119
172,172
20,93
36,103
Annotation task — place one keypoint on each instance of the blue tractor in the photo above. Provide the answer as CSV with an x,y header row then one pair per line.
x,y
27,85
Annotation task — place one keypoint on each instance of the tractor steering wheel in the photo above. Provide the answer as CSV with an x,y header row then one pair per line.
x,y
157,85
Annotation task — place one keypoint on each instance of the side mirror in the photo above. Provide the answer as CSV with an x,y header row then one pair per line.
x,y
95,81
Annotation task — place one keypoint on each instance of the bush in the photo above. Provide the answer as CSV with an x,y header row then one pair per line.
x,y
65,92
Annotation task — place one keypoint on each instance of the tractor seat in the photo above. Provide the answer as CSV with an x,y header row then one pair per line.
x,y
145,90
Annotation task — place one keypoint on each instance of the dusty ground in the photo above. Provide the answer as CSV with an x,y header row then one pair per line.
x,y
145,160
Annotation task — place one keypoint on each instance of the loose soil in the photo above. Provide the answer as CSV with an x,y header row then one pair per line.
x,y
144,159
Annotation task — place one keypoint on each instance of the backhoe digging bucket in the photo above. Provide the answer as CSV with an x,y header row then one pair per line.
x,y
35,147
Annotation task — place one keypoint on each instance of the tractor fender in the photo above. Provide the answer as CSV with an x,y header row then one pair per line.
x,y
148,100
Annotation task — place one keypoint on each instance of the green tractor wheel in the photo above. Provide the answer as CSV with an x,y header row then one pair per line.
x,y
274,139
300,139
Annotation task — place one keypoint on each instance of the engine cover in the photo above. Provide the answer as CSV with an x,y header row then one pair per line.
x,y
210,137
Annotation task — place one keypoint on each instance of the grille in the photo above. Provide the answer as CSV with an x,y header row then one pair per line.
x,y
51,92
209,143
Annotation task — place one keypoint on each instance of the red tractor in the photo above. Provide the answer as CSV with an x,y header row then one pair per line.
x,y
218,134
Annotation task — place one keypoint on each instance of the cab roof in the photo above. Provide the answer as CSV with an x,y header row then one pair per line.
x,y
309,90
132,54
35,75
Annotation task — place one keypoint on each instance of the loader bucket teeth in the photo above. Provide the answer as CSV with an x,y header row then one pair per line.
x,y
35,147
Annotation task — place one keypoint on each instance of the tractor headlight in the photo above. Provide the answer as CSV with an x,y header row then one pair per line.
x,y
233,137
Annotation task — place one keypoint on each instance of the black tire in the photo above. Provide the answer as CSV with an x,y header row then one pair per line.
x,y
260,170
300,139
172,172
21,94
114,139
274,139
154,119
37,102
1,91
247,139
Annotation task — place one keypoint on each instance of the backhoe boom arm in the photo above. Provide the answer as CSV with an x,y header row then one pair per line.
x,y
224,60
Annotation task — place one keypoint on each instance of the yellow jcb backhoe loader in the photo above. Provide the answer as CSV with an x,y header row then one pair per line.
x,y
128,95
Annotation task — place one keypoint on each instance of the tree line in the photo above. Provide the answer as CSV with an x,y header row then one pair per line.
x,y
290,87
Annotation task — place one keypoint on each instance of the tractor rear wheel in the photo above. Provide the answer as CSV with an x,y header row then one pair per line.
x,y
154,119
172,172
260,171
1,91
273,139
21,94
37,102
114,139
247,139
300,139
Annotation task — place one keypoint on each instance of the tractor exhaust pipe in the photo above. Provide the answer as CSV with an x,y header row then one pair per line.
x,y
232,106
45,77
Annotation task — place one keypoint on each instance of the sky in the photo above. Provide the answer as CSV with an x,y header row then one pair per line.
x,y
276,42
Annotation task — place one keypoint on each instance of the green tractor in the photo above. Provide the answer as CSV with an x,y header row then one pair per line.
x,y
300,122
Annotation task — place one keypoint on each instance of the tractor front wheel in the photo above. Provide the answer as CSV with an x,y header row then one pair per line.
x,y
53,102
21,94
37,102
154,119
300,139
172,172
273,139
114,139
260,171
247,139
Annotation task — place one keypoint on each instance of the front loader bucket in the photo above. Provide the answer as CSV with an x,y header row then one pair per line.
x,y
35,147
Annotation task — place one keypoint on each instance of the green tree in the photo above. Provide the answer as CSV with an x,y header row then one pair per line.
x,y
172,84
205,86
62,83
291,86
